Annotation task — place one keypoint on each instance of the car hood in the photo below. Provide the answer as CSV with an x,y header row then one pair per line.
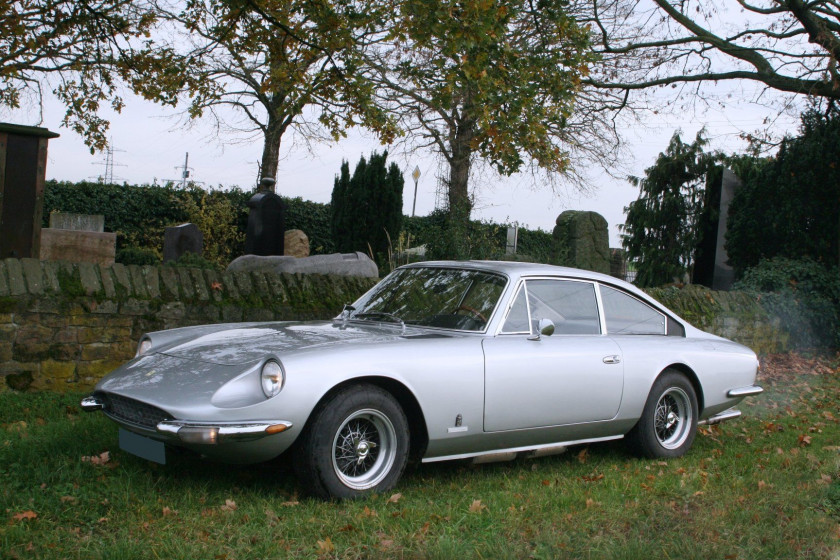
x,y
199,361
252,342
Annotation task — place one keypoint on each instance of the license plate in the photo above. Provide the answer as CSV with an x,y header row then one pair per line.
x,y
145,448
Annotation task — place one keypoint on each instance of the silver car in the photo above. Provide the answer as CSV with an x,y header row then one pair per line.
x,y
438,361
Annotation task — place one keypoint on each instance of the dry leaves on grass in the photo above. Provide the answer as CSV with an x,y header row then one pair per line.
x,y
230,505
788,366
25,515
325,547
477,507
394,498
98,460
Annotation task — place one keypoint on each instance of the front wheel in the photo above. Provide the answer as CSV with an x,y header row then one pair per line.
x,y
356,443
668,423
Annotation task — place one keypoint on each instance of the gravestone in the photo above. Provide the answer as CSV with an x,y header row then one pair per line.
x,y
724,274
618,264
78,238
581,240
266,222
23,164
711,264
512,239
340,264
178,240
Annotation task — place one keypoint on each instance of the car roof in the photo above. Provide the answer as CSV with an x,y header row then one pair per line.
x,y
515,269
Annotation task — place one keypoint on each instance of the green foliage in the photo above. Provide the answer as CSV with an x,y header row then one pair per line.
x,y
137,255
216,216
192,260
804,293
367,207
660,233
788,206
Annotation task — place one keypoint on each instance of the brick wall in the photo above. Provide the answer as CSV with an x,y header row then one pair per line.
x,y
63,326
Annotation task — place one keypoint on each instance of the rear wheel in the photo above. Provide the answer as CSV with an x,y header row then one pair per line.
x,y
668,423
356,443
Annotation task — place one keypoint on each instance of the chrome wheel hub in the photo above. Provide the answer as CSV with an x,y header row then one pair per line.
x,y
364,449
673,418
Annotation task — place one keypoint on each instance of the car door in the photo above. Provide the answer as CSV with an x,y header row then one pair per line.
x,y
573,376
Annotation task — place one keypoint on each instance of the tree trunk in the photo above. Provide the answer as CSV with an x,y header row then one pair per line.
x,y
460,205
271,148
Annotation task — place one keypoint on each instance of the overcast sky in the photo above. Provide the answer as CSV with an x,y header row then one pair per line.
x,y
150,145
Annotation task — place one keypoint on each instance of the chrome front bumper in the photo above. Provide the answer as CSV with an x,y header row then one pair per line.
x,y
206,432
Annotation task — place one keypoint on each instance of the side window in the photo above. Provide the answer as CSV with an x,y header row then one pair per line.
x,y
627,315
517,319
571,305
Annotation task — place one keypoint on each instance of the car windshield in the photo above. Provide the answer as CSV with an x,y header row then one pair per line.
x,y
447,298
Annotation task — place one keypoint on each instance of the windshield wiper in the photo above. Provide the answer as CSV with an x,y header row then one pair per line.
x,y
372,314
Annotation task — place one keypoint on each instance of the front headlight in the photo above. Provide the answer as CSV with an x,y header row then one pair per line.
x,y
272,378
143,347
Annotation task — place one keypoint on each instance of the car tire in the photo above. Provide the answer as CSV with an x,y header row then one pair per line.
x,y
356,443
668,423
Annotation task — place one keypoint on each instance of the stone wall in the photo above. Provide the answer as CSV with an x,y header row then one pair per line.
x,y
64,325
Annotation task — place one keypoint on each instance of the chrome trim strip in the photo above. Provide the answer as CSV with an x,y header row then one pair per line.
x,y
226,431
91,403
745,391
727,414
519,449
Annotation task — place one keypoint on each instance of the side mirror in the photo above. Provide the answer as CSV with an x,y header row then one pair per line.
x,y
544,327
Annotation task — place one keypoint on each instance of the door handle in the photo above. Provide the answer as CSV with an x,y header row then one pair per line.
x,y
612,359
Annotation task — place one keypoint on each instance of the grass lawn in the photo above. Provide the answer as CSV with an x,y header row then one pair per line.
x,y
763,486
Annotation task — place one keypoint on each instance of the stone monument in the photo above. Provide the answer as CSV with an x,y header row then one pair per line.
x,y
296,243
23,164
177,240
266,222
581,240
78,238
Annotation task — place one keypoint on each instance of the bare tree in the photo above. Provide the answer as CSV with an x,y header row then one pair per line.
x,y
789,46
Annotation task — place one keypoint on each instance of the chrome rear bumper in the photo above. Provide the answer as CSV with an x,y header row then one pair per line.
x,y
727,414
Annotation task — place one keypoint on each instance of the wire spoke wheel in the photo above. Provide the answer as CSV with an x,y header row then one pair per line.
x,y
364,449
673,418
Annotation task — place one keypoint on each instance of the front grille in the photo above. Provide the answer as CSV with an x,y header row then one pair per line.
x,y
124,409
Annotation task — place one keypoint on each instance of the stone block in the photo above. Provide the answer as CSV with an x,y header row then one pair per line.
x,y
339,264
4,280
105,307
77,222
296,244
260,284
5,351
137,281
30,351
202,291
243,283
150,275
95,370
34,275
78,246
187,289
46,306
67,335
51,276
214,283
171,282
229,284
20,379
97,351
123,281
231,314
59,371
134,306
172,310
17,285
88,274
258,314
108,285
276,288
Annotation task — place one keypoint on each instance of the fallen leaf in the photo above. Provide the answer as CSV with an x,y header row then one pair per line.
x,y
592,503
583,455
347,529
66,499
216,286
367,512
594,477
272,517
477,506
804,440
168,511
25,515
325,547
98,460
394,498
230,505
290,503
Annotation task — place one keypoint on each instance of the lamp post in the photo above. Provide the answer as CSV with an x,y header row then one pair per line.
x,y
416,176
